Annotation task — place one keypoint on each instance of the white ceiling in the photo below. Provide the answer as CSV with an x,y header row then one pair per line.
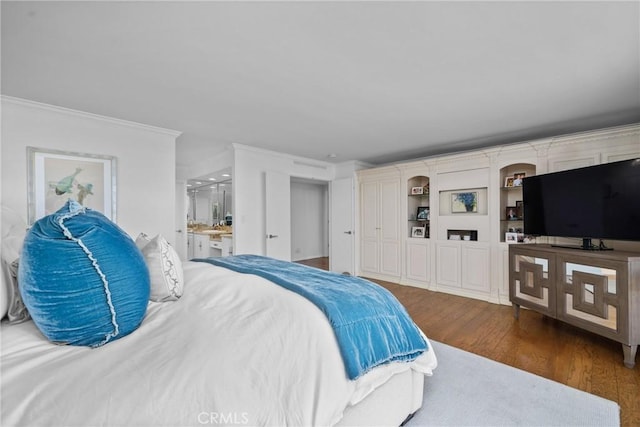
x,y
372,81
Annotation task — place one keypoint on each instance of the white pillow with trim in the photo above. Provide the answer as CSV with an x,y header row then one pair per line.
x,y
165,268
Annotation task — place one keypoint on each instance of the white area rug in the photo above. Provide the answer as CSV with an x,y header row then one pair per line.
x,y
470,390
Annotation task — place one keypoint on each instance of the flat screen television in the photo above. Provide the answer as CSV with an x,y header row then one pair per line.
x,y
601,202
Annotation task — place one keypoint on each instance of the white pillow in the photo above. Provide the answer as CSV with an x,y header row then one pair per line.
x,y
165,268
16,311
4,293
14,230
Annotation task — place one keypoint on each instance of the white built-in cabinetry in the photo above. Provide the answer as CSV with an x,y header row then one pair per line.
x,y
380,225
418,231
477,265
462,236
201,247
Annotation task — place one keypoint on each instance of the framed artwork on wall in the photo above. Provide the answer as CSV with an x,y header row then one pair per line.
x,y
464,202
56,176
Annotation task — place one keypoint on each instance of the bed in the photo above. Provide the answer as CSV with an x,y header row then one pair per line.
x,y
235,349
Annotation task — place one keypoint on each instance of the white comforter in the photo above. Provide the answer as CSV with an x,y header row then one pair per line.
x,y
235,349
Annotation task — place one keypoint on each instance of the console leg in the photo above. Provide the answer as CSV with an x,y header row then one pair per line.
x,y
629,352
516,311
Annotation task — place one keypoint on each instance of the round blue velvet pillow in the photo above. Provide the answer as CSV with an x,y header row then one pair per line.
x,y
82,278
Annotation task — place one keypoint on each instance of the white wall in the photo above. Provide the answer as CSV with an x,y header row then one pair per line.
x,y
146,175
309,220
250,165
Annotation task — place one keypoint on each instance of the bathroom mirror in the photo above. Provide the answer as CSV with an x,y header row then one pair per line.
x,y
211,199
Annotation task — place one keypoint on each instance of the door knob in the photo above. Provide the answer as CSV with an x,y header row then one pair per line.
x,y
348,232
271,236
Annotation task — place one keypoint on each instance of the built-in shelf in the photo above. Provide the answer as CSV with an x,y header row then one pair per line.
x,y
511,200
418,208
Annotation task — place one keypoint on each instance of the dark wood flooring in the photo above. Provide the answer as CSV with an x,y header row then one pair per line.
x,y
534,343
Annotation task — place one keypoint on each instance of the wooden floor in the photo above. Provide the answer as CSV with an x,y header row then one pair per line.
x,y
534,343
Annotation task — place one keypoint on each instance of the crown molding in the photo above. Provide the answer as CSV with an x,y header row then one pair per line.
x,y
91,116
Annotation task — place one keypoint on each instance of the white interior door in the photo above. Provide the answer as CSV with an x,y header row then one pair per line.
x,y
278,215
341,254
181,220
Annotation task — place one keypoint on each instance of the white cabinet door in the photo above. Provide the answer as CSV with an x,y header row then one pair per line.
x,y
389,227
418,260
201,248
448,264
369,251
464,266
475,268
379,218
369,210
389,210
227,246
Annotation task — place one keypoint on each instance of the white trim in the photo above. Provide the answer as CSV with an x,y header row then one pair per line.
x,y
297,160
92,116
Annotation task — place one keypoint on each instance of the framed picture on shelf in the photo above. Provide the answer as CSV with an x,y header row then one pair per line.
x,y
517,179
417,231
464,202
57,176
508,181
417,190
519,211
511,213
511,237
423,213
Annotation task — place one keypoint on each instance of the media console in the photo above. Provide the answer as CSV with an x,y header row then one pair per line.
x,y
592,290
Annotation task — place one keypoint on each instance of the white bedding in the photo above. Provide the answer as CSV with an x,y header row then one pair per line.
x,y
235,349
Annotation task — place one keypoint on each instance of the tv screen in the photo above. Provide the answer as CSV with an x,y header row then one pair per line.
x,y
600,201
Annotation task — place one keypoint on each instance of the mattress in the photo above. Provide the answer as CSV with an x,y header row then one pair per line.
x,y
234,349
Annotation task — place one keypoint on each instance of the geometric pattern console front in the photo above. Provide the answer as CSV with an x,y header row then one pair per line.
x,y
531,277
589,293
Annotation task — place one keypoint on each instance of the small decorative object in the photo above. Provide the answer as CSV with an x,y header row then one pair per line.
x,y
57,176
517,179
511,237
417,190
508,181
511,213
417,231
423,213
464,202
454,237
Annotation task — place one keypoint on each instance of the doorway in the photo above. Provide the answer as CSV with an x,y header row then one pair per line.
x,y
309,219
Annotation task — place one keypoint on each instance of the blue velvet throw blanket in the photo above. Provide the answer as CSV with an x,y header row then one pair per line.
x,y
371,326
